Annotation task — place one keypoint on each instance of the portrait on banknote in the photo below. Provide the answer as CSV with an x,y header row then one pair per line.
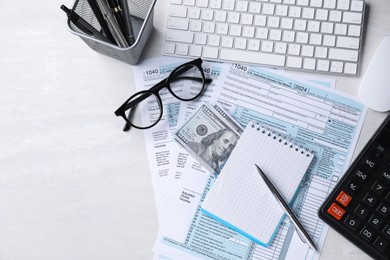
x,y
209,136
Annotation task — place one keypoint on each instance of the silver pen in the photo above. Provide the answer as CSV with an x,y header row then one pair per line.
x,y
297,224
112,24
127,22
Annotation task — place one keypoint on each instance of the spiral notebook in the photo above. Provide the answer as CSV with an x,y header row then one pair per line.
x,y
239,197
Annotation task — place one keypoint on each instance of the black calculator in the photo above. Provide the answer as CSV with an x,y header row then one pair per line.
x,y
359,206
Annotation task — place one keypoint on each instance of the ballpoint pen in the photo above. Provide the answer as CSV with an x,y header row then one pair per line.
x,y
99,16
112,24
297,224
127,21
82,24
117,13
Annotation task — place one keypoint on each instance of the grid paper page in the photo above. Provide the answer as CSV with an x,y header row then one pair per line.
x,y
240,198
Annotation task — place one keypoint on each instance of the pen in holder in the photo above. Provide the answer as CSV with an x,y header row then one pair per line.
x,y
124,41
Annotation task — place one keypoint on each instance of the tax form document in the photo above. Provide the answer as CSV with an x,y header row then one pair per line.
x,y
326,121
162,153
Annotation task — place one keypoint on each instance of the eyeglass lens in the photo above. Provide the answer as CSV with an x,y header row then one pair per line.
x,y
150,105
187,84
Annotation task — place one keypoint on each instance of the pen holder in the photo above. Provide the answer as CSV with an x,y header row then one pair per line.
x,y
141,18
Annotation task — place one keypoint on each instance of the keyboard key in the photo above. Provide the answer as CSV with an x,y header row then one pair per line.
x,y
177,11
386,231
244,56
343,198
352,222
370,163
361,175
323,65
375,222
202,3
350,68
309,63
184,37
362,211
241,6
210,52
370,200
340,54
254,7
367,234
307,51
343,4
177,23
228,5
267,46
336,211
352,17
196,51
335,16
268,9
378,188
294,62
227,42
357,5
182,49
383,210
348,42
169,47
353,186
253,45
336,66
381,243
331,4
385,176
215,4
189,2
220,16
280,47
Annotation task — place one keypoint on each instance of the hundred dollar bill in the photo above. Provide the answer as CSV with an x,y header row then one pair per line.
x,y
210,135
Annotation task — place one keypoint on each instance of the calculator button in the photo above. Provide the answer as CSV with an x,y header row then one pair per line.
x,y
386,231
370,200
344,199
388,197
378,188
375,222
369,163
352,222
352,186
383,210
385,176
381,244
361,175
336,211
361,211
367,234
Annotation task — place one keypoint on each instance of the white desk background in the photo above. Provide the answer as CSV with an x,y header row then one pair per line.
x,y
72,184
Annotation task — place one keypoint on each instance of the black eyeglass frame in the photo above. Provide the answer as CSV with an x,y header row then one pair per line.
x,y
174,75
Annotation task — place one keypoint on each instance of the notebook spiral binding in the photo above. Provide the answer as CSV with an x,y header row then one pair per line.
x,y
281,138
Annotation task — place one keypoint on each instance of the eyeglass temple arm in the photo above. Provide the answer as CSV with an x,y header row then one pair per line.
x,y
127,126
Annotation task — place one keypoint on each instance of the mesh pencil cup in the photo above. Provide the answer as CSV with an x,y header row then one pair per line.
x,y
141,18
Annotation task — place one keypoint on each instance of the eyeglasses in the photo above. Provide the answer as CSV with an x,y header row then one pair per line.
x,y
186,83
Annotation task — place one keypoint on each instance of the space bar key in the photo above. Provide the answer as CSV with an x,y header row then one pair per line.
x,y
252,57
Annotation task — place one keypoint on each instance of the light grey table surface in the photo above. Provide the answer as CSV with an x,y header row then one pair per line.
x,y
72,184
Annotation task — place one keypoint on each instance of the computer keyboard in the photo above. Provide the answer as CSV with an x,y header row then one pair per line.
x,y
312,35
